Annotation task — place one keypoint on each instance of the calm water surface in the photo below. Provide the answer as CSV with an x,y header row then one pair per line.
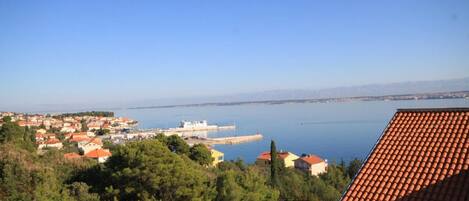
x,y
333,131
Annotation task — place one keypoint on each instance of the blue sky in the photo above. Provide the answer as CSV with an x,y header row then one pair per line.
x,y
63,52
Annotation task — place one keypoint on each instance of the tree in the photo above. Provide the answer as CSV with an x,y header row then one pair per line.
x,y
244,185
335,177
21,137
274,165
24,176
6,119
201,154
353,167
84,126
147,170
227,188
80,191
177,145
102,131
42,126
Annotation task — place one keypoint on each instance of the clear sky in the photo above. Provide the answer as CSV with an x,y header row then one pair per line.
x,y
96,51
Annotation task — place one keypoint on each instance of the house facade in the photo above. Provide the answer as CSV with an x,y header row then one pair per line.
x,y
311,164
217,156
90,145
101,155
287,158
50,143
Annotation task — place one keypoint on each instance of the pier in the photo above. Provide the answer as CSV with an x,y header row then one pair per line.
x,y
223,140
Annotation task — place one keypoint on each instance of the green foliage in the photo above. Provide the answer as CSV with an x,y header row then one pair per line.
x,y
200,154
175,143
81,192
274,165
54,130
336,178
22,137
237,165
6,119
27,176
247,185
159,169
107,144
91,113
84,126
103,131
147,170
353,167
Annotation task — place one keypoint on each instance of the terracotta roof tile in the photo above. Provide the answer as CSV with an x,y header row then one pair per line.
x,y
98,153
266,155
71,155
422,155
311,159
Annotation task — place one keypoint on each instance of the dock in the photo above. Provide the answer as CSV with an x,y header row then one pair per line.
x,y
224,140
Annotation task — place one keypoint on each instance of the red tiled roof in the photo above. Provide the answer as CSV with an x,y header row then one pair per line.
x,y
98,153
79,138
422,155
71,155
266,155
52,141
96,141
311,159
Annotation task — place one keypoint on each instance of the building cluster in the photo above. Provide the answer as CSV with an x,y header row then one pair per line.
x,y
71,124
120,138
79,131
311,164
89,146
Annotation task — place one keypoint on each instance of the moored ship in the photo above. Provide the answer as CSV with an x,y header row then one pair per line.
x,y
203,125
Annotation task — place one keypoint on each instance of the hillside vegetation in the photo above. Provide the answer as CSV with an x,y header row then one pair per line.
x,y
164,168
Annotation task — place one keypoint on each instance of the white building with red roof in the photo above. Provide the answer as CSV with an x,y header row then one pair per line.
x,y
311,164
50,143
101,155
90,145
287,157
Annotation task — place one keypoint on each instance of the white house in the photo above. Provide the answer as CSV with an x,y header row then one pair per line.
x,y
90,145
287,158
68,129
312,164
101,155
52,142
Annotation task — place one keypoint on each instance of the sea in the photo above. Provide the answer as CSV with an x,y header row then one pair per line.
x,y
334,131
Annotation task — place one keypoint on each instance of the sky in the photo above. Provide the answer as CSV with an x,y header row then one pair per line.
x,y
70,52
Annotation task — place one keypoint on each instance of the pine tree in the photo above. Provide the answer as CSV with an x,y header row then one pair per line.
x,y
274,165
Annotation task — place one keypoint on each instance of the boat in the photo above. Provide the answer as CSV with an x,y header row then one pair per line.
x,y
203,125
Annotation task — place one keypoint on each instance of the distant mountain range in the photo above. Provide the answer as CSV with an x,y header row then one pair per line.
x,y
423,88
417,87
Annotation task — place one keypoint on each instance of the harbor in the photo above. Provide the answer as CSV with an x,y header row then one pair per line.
x,y
193,132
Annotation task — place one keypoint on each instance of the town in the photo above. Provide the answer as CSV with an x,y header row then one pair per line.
x,y
83,134
79,132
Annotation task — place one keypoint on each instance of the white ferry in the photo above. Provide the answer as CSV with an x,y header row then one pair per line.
x,y
198,126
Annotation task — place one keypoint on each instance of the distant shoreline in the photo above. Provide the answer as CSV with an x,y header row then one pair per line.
x,y
397,97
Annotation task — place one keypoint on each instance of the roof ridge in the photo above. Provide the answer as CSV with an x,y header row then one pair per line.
x,y
442,109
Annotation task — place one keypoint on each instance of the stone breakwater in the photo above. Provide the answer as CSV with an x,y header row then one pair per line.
x,y
224,140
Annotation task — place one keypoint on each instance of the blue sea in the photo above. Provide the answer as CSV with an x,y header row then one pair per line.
x,y
334,131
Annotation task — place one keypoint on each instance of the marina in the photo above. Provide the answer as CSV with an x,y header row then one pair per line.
x,y
193,132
